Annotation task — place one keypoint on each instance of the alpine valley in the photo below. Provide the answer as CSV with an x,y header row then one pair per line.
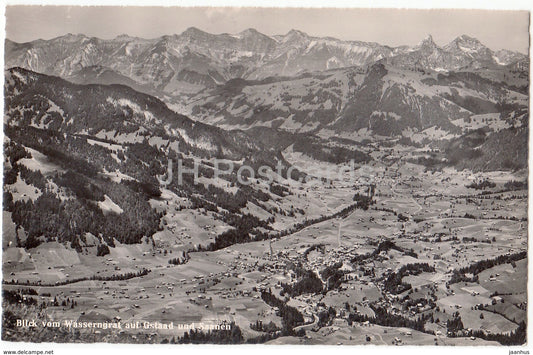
x,y
394,211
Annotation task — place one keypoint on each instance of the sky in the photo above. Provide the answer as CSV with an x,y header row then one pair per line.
x,y
497,29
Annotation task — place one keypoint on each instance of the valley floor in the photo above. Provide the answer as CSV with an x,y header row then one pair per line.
x,y
419,217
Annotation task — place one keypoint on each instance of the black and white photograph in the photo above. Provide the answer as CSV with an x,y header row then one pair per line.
x,y
265,175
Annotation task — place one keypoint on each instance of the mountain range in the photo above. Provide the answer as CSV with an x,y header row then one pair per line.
x,y
90,124
366,103
85,159
190,176
274,90
195,60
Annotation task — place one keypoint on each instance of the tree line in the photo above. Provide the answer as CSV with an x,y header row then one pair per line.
x,y
393,283
116,277
290,316
458,275
384,318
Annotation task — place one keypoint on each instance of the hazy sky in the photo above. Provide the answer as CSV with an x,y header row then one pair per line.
x,y
496,29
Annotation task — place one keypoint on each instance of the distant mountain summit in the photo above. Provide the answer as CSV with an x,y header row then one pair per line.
x,y
427,43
